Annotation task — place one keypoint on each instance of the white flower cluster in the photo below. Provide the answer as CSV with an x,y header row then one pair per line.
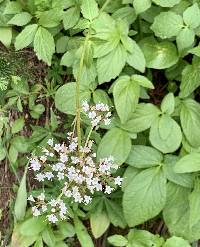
x,y
78,173
55,209
97,114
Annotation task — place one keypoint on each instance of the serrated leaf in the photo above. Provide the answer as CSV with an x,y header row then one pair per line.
x,y
117,240
126,95
20,19
158,55
116,143
190,121
71,17
144,157
191,16
44,45
188,163
194,204
167,24
185,40
145,196
176,242
17,125
89,9
33,226
26,37
65,98
141,6
168,104
166,3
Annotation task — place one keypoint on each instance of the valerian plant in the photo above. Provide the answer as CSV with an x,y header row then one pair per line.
x,y
138,59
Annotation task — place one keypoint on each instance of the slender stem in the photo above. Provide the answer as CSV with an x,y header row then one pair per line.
x,y
78,106
88,137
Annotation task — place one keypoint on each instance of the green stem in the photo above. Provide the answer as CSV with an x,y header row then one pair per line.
x,y
78,106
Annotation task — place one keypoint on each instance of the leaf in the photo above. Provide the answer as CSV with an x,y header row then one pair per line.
x,y
141,6
158,55
126,95
65,97
116,143
166,3
167,24
26,37
110,66
125,13
145,196
17,125
142,118
44,45
117,240
6,36
49,237
191,16
144,157
82,234
188,163
196,51
135,57
176,242
33,226
190,121
21,199
194,204
185,40
20,19
13,7
20,143
38,243
99,222
89,9
185,180
168,104
71,17
50,18
173,137
100,95
128,176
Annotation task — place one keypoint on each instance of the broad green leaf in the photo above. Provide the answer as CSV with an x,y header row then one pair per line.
x,y
82,234
135,57
141,6
190,79
17,125
164,126
176,242
145,196
6,36
188,163
138,238
38,243
116,143
117,240
66,229
2,153
89,9
100,96
26,37
62,44
50,18
20,143
65,98
126,94
99,222
190,121
21,199
33,226
185,40
159,55
142,118
167,3
168,104
49,237
167,24
194,204
71,17
171,131
44,45
128,176
13,7
115,213
110,66
142,81
128,13
185,180
191,16
20,19
196,51
144,157
176,213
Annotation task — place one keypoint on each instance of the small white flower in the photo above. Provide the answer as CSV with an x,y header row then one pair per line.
x,y
73,146
92,114
85,106
108,189
35,211
41,197
60,176
49,175
43,158
87,199
118,180
35,164
40,177
107,121
63,158
31,199
52,218
50,142
44,208
57,147
53,202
